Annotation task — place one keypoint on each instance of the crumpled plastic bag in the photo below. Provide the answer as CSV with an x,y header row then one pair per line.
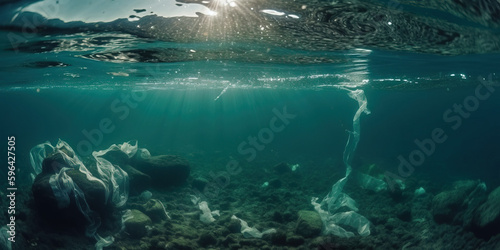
x,y
112,177
252,232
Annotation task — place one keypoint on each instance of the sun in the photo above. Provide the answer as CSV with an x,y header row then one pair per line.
x,y
228,20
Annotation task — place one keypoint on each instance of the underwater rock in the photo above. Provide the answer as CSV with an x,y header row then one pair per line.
x,y
282,168
229,240
62,210
116,156
206,239
275,183
288,216
136,222
234,226
404,214
43,194
68,196
95,192
486,221
155,210
141,154
46,202
200,184
53,164
447,204
295,241
181,244
165,170
475,199
138,181
278,238
277,217
309,224
146,195
397,194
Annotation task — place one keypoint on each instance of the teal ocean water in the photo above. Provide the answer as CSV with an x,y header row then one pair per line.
x,y
250,109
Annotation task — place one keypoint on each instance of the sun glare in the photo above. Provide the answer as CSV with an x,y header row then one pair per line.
x,y
227,19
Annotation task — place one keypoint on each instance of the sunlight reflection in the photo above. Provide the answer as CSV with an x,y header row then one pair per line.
x,y
106,11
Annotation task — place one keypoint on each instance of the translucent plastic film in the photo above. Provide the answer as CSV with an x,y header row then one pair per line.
x,y
336,202
112,178
252,232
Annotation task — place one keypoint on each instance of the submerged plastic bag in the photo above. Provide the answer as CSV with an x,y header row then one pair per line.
x,y
336,201
41,151
113,179
207,216
371,183
252,232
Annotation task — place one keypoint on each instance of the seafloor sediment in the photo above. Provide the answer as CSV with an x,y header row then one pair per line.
x,y
402,221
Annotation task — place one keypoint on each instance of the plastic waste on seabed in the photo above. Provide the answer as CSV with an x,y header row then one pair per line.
x,y
112,177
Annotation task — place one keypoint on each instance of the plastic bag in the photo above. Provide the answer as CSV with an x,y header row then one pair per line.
x,y
252,232
113,178
336,201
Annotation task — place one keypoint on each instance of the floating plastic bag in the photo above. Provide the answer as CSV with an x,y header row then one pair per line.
x,y
336,201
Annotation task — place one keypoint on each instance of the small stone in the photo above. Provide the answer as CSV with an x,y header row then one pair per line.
x,y
207,239
404,215
234,226
277,217
116,156
288,216
309,224
486,222
230,239
282,168
136,224
295,241
164,170
278,238
138,181
235,246
181,244
447,204
155,210
275,183
225,205
200,184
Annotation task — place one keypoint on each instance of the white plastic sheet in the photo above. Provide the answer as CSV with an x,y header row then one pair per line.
x,y
336,201
207,216
112,177
103,242
371,183
251,232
